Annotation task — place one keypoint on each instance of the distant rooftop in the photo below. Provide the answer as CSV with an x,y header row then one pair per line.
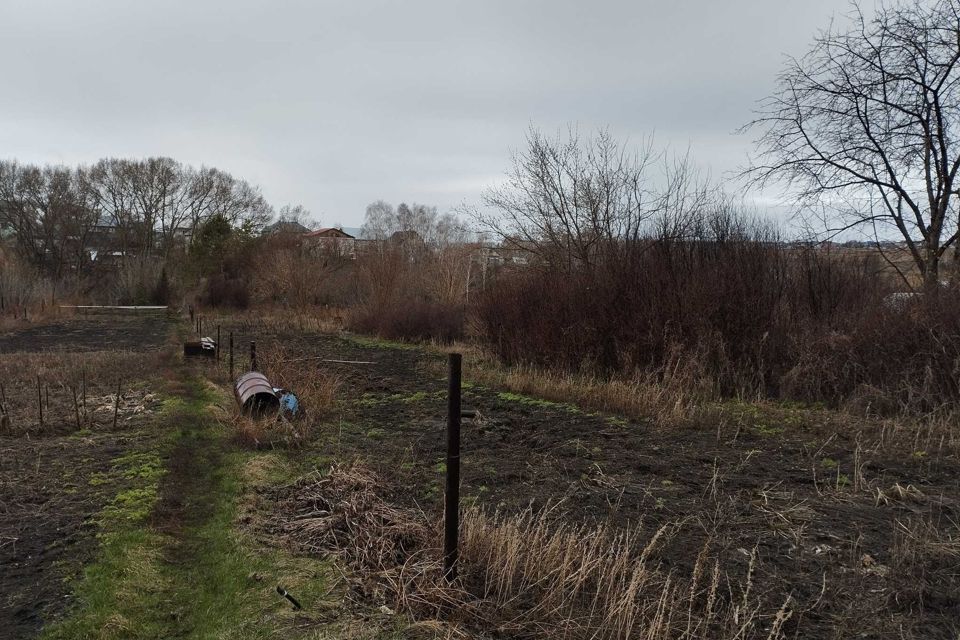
x,y
328,232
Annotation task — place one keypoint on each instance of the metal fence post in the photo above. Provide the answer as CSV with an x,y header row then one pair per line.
x,y
451,515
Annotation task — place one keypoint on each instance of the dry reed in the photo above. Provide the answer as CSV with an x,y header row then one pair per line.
x,y
520,575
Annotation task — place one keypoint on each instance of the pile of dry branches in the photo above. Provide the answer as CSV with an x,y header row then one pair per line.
x,y
391,548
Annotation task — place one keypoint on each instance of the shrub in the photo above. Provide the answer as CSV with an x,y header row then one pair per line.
x,y
892,359
162,293
749,313
223,291
409,320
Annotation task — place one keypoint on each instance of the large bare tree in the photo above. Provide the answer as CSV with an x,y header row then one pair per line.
x,y
49,214
55,216
573,202
864,128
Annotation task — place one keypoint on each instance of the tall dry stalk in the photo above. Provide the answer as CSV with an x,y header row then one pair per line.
x,y
521,575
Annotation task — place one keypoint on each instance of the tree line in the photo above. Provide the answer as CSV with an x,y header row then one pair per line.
x,y
57,217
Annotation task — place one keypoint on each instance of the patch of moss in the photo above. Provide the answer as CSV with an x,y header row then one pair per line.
x,y
375,400
517,398
379,343
132,505
146,465
767,430
99,478
369,400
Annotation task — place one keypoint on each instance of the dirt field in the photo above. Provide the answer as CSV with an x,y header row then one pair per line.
x,y
862,535
855,522
55,478
89,333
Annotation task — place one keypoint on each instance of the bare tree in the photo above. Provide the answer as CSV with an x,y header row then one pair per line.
x,y
864,128
414,251
50,213
58,218
19,188
379,220
296,214
113,192
573,202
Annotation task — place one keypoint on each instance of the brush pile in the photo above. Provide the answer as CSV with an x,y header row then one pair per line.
x,y
393,550
345,508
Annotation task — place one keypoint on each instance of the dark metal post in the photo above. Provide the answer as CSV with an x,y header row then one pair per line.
x,y
218,343
231,355
451,515
116,405
40,401
76,405
253,356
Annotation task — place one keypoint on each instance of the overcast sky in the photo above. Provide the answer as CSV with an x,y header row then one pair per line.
x,y
335,104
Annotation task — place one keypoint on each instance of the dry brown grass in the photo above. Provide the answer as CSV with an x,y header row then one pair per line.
x,y
275,320
523,575
316,390
674,396
683,396
924,562
39,313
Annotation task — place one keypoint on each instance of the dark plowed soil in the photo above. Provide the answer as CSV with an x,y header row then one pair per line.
x,y
47,503
54,483
100,333
870,554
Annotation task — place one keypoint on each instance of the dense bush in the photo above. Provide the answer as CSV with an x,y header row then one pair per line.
x,y
409,320
892,359
224,291
744,313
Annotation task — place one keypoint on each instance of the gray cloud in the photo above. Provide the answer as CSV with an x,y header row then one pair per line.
x,y
336,104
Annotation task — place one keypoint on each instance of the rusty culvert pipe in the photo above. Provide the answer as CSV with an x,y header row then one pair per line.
x,y
255,395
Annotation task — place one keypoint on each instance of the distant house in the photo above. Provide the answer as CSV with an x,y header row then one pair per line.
x,y
332,240
328,232
102,236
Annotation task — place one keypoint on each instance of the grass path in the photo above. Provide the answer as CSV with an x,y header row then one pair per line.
x,y
172,562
